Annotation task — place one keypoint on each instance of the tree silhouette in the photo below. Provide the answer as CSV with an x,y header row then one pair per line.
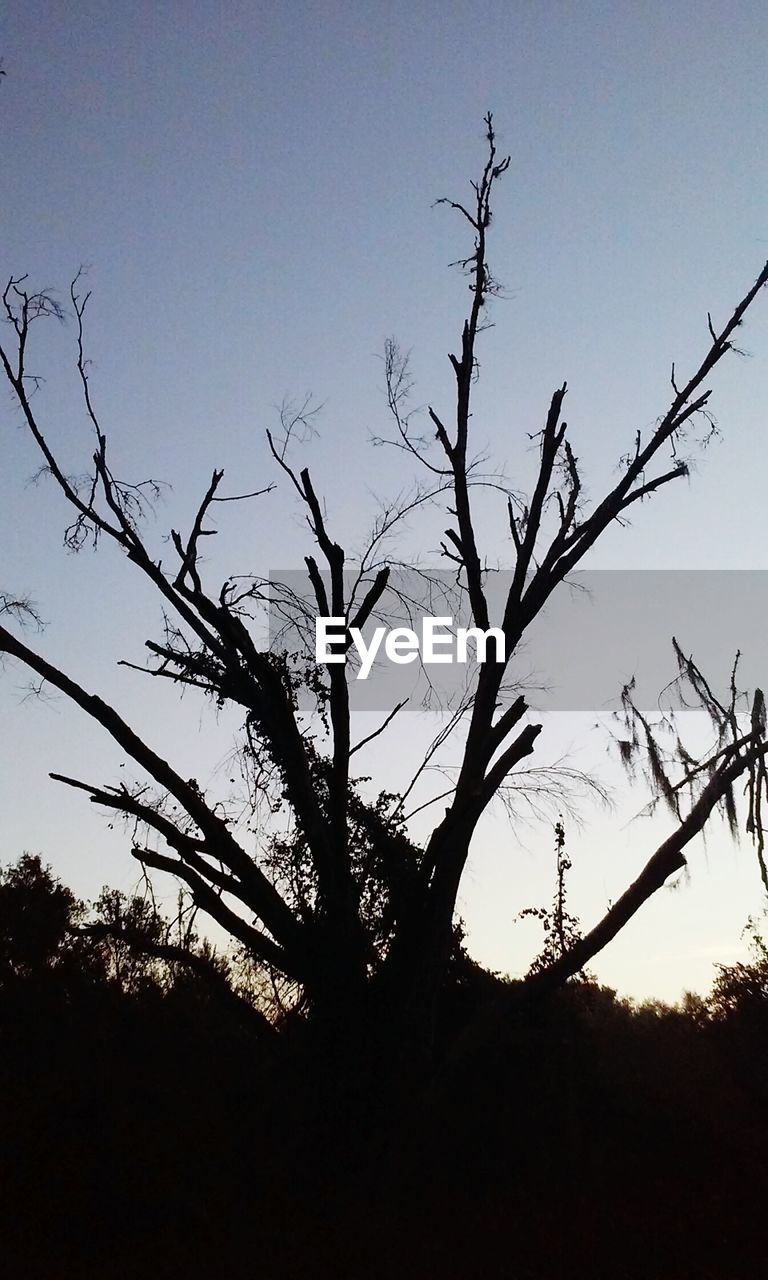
x,y
348,911
561,928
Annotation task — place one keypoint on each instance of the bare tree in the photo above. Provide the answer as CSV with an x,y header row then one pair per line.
x,y
347,909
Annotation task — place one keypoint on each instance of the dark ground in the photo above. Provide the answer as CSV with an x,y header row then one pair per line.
x,y
145,1136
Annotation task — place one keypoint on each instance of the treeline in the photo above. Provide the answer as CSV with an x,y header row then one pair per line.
x,y
151,1126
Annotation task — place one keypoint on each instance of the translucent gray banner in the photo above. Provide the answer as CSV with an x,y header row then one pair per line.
x,y
596,632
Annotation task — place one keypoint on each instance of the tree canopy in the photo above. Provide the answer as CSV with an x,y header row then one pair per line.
x,y
342,905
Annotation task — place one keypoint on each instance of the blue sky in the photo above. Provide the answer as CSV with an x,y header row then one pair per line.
x,y
252,188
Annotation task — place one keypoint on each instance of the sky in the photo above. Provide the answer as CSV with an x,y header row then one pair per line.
x,y
251,187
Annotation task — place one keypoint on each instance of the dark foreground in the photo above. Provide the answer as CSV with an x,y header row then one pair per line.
x,y
147,1136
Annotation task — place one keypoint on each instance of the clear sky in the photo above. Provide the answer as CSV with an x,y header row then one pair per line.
x,y
251,185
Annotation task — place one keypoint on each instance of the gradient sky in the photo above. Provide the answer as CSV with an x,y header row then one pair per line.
x,y
251,186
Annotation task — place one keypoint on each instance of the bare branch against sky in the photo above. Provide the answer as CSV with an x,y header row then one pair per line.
x,y
266,236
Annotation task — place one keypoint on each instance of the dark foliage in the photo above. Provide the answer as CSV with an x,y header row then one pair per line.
x,y
148,1131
